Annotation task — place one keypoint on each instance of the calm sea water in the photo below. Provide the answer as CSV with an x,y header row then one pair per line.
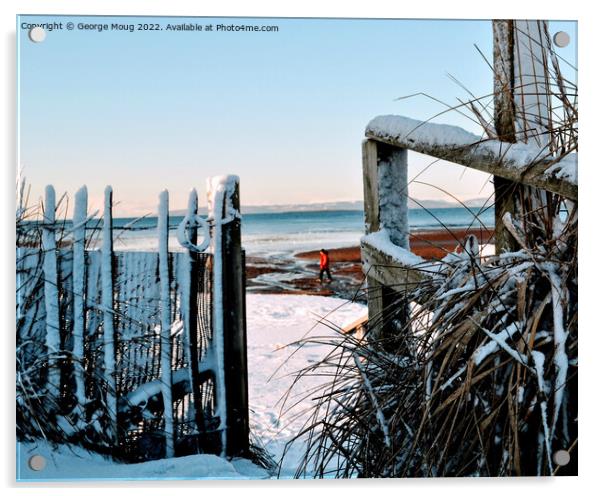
x,y
297,231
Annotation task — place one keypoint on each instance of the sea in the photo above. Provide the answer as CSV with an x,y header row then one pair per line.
x,y
290,232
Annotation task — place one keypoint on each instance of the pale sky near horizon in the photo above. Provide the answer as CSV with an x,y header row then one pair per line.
x,y
286,111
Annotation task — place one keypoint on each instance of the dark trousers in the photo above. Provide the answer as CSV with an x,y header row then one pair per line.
x,y
327,270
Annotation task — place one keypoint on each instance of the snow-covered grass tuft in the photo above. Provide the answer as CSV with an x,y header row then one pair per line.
x,y
476,382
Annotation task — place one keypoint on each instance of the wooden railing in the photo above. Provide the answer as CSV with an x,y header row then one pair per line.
x,y
390,267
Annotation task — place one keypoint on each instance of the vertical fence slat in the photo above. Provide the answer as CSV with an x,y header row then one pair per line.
x,y
108,311
51,292
166,351
190,287
79,275
216,190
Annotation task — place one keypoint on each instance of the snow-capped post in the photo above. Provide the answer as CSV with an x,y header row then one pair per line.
x,y
229,314
106,275
166,352
385,171
51,294
80,213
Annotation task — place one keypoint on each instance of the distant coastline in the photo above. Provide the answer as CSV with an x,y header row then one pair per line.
x,y
355,205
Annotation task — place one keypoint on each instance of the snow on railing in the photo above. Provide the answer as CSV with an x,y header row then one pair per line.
x,y
385,182
386,258
525,163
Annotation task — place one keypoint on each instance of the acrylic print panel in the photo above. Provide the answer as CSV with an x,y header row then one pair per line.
x,y
278,248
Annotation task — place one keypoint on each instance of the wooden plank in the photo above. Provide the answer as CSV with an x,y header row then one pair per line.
x,y
504,121
106,275
190,309
235,332
370,172
503,79
93,294
217,205
80,213
356,325
385,170
393,193
513,161
51,293
166,351
390,271
371,217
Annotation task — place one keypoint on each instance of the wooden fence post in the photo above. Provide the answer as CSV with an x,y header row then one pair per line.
x,y
522,107
385,171
235,332
51,294
80,213
504,119
106,276
190,315
166,352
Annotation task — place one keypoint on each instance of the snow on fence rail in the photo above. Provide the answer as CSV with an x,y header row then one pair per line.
x,y
520,162
143,353
391,268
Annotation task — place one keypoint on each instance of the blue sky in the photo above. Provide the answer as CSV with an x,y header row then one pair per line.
x,y
285,111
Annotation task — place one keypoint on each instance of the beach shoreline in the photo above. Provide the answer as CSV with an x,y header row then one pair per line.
x,y
297,273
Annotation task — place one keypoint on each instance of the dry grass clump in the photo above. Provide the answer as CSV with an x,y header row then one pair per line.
x,y
480,380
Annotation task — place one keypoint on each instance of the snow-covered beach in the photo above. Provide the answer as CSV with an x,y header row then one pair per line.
x,y
273,323
286,304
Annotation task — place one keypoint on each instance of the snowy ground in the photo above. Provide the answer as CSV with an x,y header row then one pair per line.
x,y
68,463
273,321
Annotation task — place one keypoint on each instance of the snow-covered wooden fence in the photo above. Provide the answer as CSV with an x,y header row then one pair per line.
x,y
390,267
143,353
521,157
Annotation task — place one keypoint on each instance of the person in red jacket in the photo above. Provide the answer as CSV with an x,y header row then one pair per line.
x,y
324,265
